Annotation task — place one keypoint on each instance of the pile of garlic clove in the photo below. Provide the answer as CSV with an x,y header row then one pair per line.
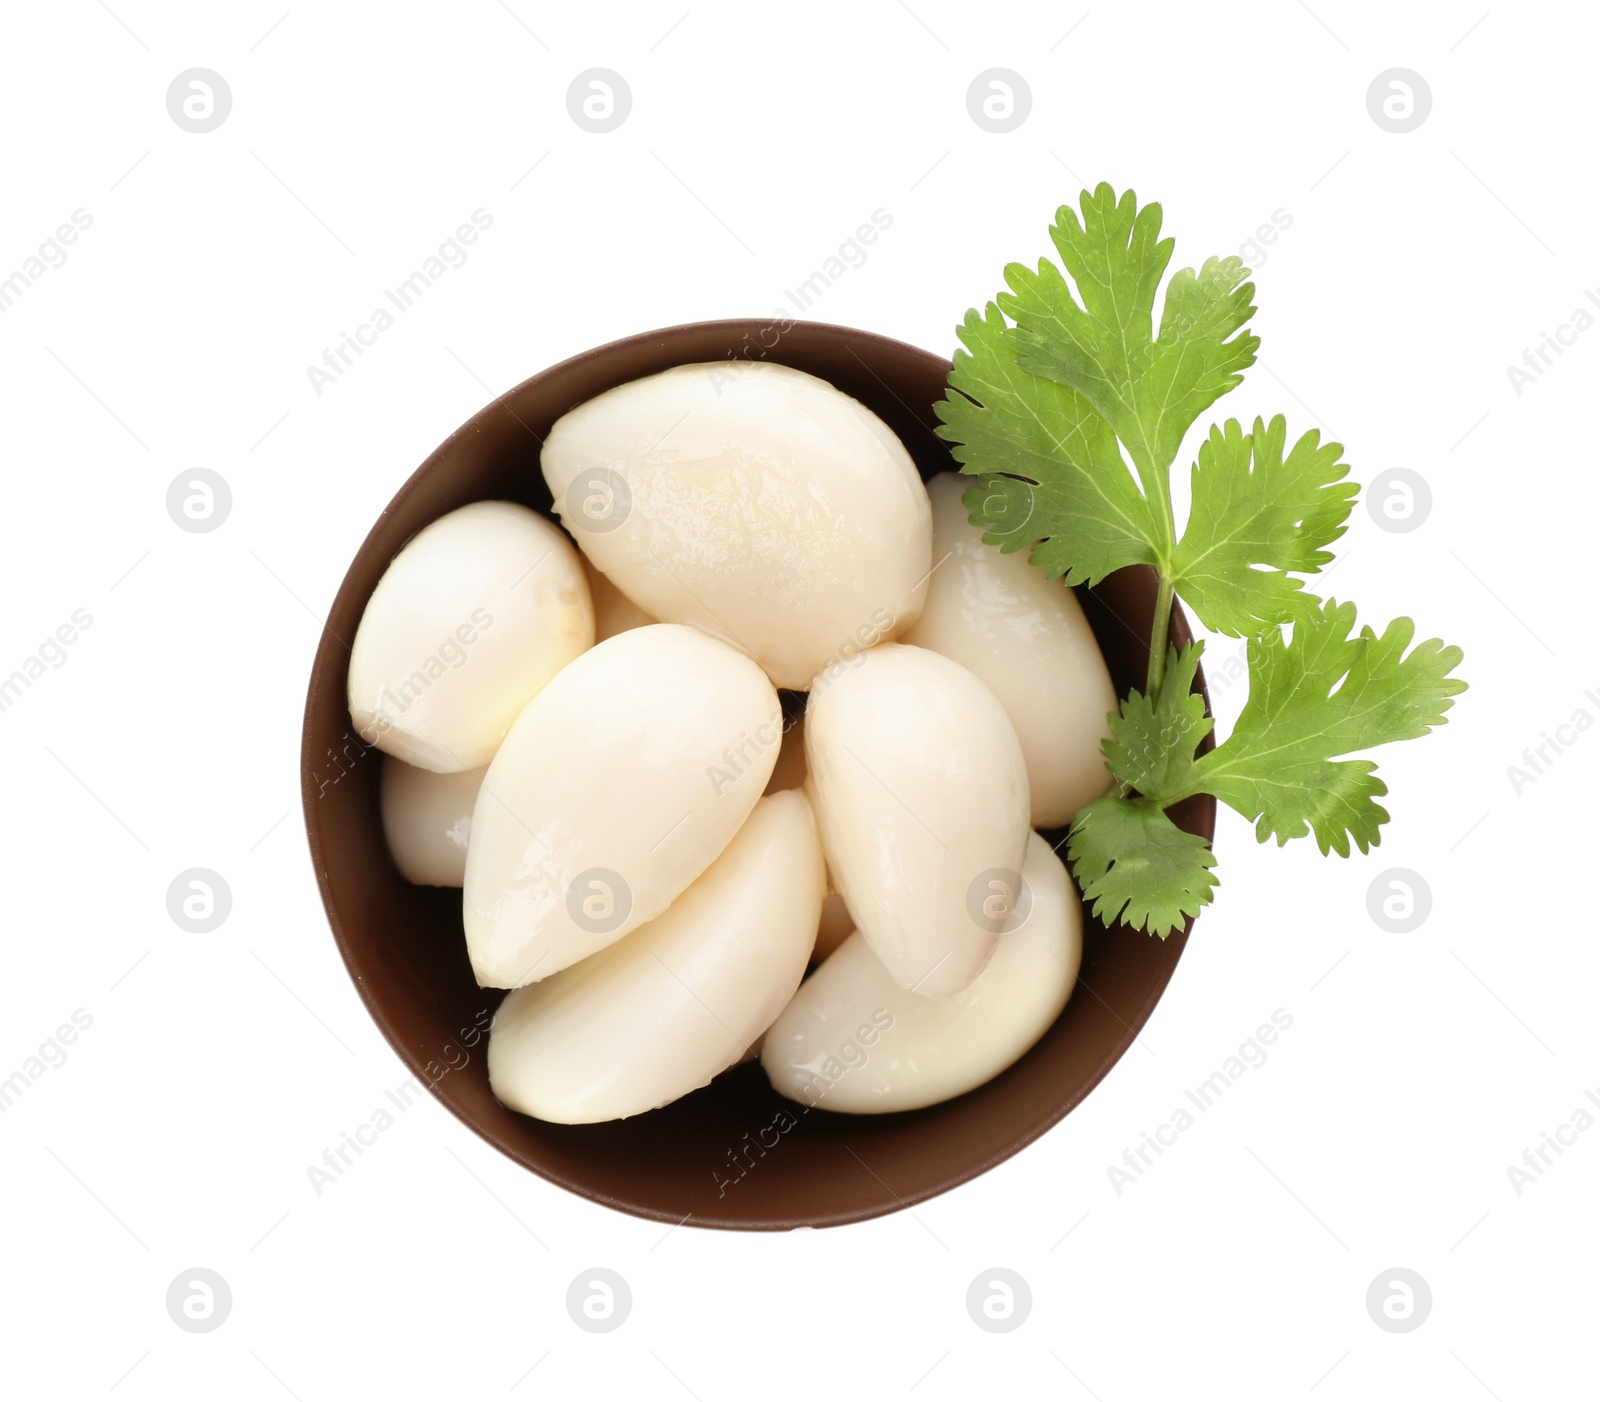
x,y
591,742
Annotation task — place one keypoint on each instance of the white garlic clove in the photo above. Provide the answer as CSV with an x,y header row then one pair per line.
x,y
922,799
614,611
477,612
618,785
854,1041
427,819
684,997
754,501
1026,638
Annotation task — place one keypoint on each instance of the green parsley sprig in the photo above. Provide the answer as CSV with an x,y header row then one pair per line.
x,y
1059,386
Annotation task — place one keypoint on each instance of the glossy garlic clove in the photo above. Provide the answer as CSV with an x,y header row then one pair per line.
x,y
854,1041
922,798
684,997
477,612
1026,638
617,786
427,819
754,501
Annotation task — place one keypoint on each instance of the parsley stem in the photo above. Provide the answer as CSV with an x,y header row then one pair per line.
x,y
1158,638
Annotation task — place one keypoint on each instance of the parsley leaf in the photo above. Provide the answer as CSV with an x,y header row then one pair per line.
x,y
1255,515
1153,741
1070,404
1138,866
1043,411
1149,389
1313,697
1006,422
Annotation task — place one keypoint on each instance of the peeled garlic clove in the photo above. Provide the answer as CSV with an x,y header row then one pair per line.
x,y
474,615
755,501
617,786
854,1041
660,1013
614,611
1025,637
922,798
426,820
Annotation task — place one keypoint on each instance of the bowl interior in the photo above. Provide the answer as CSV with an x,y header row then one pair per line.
x,y
735,1154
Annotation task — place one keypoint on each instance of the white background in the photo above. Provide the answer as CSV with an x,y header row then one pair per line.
x,y
177,335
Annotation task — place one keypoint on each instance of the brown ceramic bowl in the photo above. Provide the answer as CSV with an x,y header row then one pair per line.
x,y
404,947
